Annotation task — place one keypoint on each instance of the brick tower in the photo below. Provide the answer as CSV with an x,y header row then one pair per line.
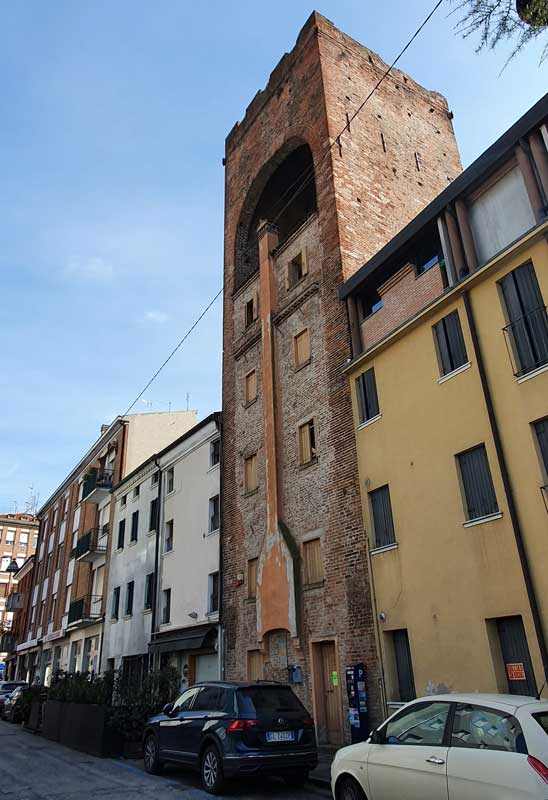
x,y
300,218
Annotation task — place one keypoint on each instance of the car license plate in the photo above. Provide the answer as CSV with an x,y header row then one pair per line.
x,y
280,736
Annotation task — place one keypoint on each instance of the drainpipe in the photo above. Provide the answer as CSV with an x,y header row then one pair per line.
x,y
508,491
156,558
221,629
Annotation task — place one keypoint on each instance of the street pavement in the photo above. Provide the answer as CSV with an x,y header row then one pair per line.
x,y
32,768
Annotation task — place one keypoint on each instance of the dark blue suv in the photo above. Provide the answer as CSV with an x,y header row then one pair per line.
x,y
234,729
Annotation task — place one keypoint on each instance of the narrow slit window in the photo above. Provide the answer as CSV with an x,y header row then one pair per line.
x,y
250,312
307,443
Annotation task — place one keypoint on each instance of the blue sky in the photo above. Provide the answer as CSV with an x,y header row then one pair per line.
x,y
111,212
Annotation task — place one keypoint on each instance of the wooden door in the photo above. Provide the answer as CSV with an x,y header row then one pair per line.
x,y
328,694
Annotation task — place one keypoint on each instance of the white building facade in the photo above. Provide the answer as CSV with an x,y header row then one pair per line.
x,y
163,585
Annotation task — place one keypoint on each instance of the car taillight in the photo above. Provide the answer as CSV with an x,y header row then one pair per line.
x,y
539,767
308,722
242,725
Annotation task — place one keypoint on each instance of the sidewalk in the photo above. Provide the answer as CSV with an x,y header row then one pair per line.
x,y
321,776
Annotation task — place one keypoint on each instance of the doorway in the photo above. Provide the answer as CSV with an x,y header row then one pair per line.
x,y
515,654
327,699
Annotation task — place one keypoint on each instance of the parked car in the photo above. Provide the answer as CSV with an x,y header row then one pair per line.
x,y
13,705
451,747
6,688
234,729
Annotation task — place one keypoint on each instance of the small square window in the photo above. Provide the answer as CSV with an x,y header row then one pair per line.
x,y
250,473
214,452
301,348
250,312
307,443
296,270
251,387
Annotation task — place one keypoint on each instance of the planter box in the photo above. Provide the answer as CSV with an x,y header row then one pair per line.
x,y
53,714
35,717
82,727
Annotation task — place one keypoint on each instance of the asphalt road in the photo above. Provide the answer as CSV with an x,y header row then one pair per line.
x,y
32,768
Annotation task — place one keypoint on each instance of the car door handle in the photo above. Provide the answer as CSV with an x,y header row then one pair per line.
x,y
435,760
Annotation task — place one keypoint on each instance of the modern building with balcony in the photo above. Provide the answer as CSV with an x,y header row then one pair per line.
x,y
163,583
449,378
67,604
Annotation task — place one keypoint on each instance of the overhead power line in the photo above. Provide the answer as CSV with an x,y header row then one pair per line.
x,y
306,177
177,346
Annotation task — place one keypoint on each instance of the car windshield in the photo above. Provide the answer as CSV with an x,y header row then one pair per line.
x,y
542,720
267,700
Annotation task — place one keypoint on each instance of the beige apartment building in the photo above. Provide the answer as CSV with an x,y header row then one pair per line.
x,y
67,606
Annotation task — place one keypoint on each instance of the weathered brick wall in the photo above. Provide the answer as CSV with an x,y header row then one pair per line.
x,y
361,202
403,296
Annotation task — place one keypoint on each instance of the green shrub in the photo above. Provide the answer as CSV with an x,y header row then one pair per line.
x,y
136,698
82,687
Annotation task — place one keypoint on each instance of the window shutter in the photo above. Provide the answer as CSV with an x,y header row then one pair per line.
x,y
477,483
250,476
250,386
254,665
302,348
313,561
304,436
383,522
252,566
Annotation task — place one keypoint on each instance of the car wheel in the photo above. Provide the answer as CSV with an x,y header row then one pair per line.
x,y
296,779
350,790
212,770
153,765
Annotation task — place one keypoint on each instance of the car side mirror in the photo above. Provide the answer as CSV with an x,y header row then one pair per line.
x,y
377,737
167,709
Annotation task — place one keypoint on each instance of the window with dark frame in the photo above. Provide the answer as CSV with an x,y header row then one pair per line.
x,y
215,452
214,514
129,597
404,665
168,545
477,483
527,331
307,443
137,491
149,589
368,401
123,501
213,599
170,480
250,312
450,343
134,526
541,431
383,522
153,515
115,612
166,606
296,270
155,478
121,533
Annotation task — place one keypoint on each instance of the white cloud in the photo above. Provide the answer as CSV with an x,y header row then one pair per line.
x,y
93,269
156,316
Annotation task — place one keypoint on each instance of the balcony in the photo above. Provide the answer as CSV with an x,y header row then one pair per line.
x,y
7,642
97,484
92,546
15,601
527,342
85,610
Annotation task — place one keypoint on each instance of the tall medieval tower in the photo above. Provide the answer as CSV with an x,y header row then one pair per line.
x,y
302,213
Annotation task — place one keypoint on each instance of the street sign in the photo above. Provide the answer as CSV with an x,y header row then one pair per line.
x,y
516,672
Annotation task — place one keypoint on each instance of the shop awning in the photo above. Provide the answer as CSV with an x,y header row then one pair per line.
x,y
190,639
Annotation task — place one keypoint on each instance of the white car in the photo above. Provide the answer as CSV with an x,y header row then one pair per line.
x,y
451,747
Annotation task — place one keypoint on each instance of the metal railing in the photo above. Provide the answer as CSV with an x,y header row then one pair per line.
x,y
527,341
94,541
86,609
97,479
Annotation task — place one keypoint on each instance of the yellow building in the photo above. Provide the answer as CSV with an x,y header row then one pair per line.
x,y
449,379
